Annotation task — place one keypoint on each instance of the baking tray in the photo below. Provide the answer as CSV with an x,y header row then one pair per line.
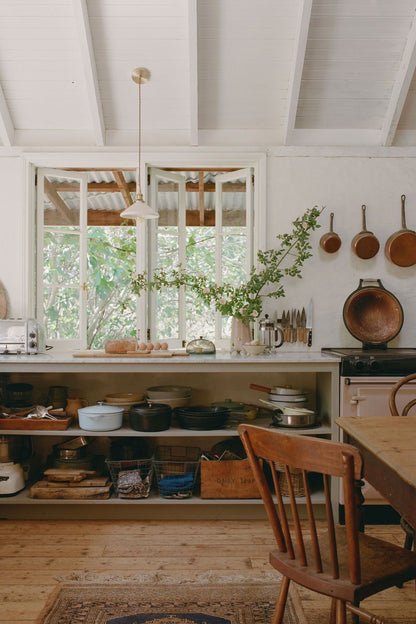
x,y
33,424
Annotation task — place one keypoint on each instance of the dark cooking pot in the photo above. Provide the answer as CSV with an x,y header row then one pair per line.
x,y
202,417
150,416
372,314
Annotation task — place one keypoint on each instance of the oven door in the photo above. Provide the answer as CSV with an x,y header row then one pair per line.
x,y
366,397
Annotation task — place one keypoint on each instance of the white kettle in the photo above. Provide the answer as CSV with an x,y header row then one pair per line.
x,y
12,479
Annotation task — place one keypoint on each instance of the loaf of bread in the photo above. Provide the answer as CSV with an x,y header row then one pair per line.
x,y
122,345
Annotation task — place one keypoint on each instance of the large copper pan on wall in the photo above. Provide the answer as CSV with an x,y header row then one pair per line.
x,y
372,314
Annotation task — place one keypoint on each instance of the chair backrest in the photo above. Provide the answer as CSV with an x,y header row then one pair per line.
x,y
394,410
275,457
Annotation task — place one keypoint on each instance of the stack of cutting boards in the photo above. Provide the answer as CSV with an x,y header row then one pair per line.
x,y
71,484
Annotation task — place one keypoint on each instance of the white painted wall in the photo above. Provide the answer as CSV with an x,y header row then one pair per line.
x,y
13,233
343,184
296,183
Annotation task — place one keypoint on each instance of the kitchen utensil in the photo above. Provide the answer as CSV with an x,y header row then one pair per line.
x,y
73,404
400,247
309,318
200,346
57,396
100,417
12,480
303,326
270,334
3,302
330,242
294,420
150,416
202,417
364,244
19,395
278,390
254,349
168,392
372,314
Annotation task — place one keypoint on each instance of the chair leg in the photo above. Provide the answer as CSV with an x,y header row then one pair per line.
x,y
281,601
341,612
333,611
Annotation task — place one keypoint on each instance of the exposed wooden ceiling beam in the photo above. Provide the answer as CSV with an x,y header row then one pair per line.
x,y
6,124
123,187
193,70
90,69
400,88
301,39
62,211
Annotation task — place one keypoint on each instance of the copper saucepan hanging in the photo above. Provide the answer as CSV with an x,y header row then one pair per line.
x,y
401,246
364,244
330,242
372,314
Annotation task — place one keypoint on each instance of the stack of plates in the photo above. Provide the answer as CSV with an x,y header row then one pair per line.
x,y
123,399
175,396
288,397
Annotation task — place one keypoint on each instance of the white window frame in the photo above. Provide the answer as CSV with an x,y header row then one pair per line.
x,y
195,158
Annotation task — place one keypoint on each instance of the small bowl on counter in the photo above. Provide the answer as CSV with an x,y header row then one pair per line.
x,y
100,417
253,349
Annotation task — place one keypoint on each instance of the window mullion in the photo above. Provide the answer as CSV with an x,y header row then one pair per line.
x,y
182,256
218,252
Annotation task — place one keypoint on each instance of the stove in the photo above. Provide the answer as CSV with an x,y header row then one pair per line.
x,y
374,362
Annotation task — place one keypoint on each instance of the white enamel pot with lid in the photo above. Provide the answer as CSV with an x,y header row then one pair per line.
x,y
100,417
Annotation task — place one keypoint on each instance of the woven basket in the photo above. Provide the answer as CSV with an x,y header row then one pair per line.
x,y
296,478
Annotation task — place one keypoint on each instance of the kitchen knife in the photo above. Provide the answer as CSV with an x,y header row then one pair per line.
x,y
303,325
309,315
299,326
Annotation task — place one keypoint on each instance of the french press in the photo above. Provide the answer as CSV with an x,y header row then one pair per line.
x,y
270,334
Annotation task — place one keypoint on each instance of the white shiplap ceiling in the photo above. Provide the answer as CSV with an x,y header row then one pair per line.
x,y
223,72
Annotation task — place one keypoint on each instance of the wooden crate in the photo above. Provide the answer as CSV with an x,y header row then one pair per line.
x,y
228,479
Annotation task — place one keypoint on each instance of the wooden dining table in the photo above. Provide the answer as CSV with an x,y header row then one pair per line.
x,y
388,446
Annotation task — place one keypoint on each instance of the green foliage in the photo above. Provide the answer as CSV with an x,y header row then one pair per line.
x,y
243,300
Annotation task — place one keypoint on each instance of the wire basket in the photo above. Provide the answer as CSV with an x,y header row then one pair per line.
x,y
296,478
131,478
176,469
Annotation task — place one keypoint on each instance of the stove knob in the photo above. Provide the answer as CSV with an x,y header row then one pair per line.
x,y
32,344
359,365
374,365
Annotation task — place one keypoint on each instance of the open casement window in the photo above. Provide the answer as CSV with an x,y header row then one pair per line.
x,y
206,225
61,258
86,254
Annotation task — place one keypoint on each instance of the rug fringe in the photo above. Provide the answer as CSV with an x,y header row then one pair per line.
x,y
159,578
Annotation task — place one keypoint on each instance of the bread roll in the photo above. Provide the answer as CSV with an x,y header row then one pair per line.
x,y
123,345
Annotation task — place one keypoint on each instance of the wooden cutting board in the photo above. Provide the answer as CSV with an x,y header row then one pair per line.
x,y
130,354
39,490
88,482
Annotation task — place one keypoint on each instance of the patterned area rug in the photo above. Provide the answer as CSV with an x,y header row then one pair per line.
x,y
242,603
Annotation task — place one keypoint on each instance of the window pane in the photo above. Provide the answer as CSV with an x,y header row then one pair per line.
x,y
110,307
61,257
234,251
167,321
61,205
61,312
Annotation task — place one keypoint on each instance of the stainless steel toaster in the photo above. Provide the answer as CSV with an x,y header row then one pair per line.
x,y
21,335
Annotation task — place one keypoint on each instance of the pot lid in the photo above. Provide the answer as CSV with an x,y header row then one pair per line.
x,y
100,409
229,404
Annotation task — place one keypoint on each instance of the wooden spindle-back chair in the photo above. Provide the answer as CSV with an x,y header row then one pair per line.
x,y
337,561
410,531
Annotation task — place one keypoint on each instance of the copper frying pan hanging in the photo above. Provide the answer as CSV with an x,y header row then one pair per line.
x,y
364,244
330,242
401,246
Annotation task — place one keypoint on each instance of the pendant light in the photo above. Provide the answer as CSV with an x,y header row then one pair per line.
x,y
139,209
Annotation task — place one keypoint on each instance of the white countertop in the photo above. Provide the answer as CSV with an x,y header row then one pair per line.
x,y
222,360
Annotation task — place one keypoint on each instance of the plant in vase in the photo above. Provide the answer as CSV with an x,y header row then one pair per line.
x,y
244,302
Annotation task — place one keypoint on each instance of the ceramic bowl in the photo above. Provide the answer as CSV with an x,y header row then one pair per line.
x,y
253,349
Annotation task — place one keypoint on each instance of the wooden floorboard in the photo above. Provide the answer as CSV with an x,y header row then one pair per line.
x,y
35,555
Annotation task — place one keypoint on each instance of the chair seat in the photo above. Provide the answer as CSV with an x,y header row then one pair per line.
x,y
382,565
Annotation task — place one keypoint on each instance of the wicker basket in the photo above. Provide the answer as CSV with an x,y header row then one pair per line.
x,y
296,478
131,478
176,469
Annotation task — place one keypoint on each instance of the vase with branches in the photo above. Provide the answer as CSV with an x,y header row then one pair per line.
x,y
244,301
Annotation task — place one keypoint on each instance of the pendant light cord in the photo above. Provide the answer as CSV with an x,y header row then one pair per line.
x,y
140,137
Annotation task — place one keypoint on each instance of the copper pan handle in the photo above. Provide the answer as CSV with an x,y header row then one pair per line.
x,y
262,388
